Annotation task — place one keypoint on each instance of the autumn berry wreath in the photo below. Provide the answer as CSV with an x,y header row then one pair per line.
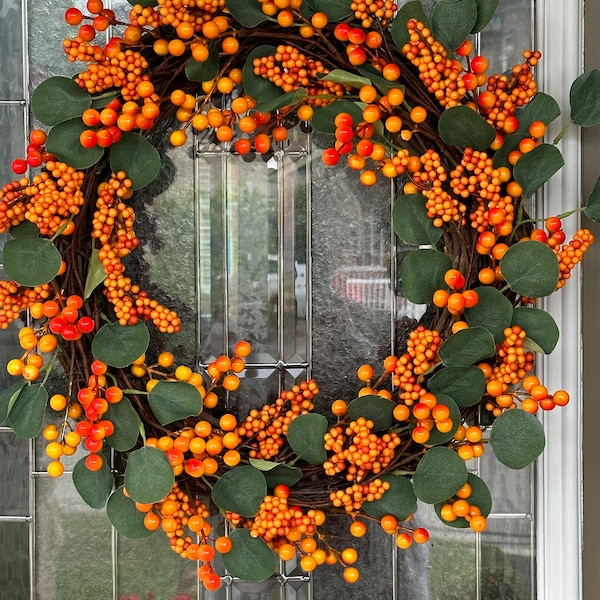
x,y
403,96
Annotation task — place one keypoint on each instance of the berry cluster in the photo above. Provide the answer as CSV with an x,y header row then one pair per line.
x,y
369,10
15,298
353,497
459,507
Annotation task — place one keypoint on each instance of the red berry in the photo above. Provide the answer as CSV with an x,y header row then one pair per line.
x,y
330,156
88,138
86,324
70,332
19,166
73,16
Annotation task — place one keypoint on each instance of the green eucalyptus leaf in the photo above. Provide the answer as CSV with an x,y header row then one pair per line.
x,y
26,415
143,3
592,206
246,12
540,327
324,118
511,142
24,230
208,69
174,400
439,474
485,12
305,436
383,85
465,385
240,490
453,20
530,269
541,107
411,223
125,517
410,10
276,473
95,274
94,487
517,438
423,273
289,99
584,94
255,86
119,345
493,311
336,10
461,126
6,396
373,408
346,78
467,347
57,99
127,425
31,261
533,169
399,501
63,141
480,497
148,475
437,437
135,155
250,559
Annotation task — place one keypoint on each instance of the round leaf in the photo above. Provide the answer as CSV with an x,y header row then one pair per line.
x,y
485,12
246,12
542,107
63,141
24,229
6,395
517,438
57,99
511,142
583,96
436,437
383,85
530,269
410,10
493,311
453,20
205,71
305,436
94,487
127,425
467,347
423,273
255,86
374,408
533,169
125,517
119,345
411,223
174,400
592,206
276,473
240,490
148,475
465,385
289,99
336,10
249,559
324,118
31,261
439,474
461,126
26,415
135,155
399,500
480,497
539,325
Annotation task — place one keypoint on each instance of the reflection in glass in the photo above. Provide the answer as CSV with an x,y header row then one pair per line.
x,y
14,566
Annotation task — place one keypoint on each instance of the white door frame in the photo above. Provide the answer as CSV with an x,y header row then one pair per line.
x,y
559,35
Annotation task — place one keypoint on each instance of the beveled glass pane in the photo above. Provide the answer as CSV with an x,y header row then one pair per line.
x,y
351,287
148,568
72,544
14,475
9,346
14,566
46,51
12,134
509,33
507,567
11,48
511,490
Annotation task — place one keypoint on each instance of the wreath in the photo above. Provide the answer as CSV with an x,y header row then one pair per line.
x,y
403,96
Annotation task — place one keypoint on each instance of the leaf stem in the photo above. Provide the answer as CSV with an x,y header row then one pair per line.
x,y
562,133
